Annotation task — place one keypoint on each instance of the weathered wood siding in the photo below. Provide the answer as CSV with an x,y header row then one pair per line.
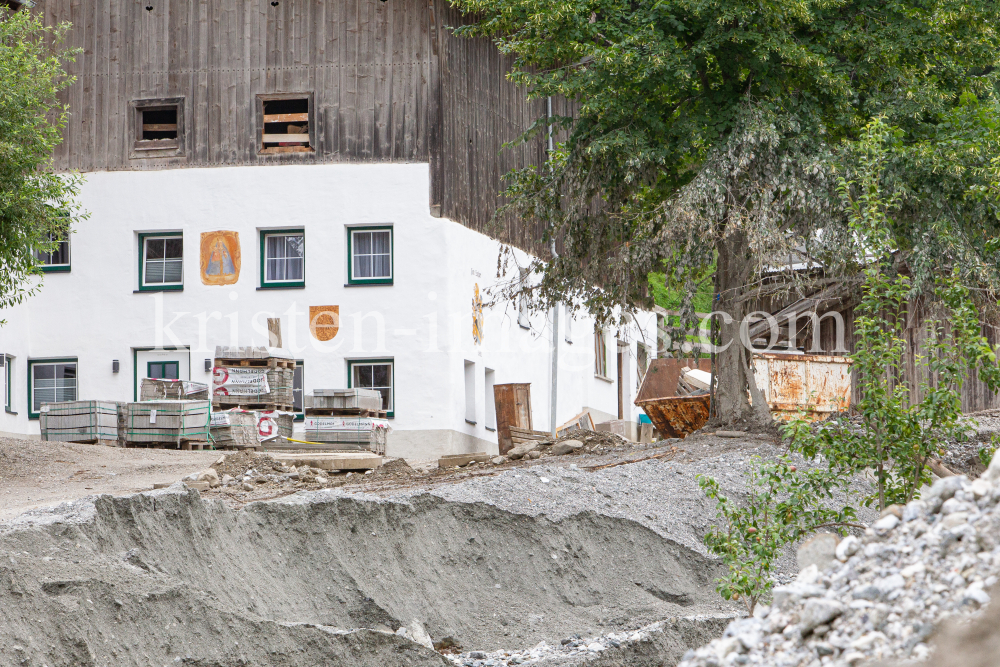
x,y
481,112
367,62
389,80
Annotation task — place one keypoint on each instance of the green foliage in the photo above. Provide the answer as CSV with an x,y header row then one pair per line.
x,y
36,205
670,297
783,505
986,453
896,436
702,121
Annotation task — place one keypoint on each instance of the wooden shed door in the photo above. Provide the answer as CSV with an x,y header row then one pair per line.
x,y
513,407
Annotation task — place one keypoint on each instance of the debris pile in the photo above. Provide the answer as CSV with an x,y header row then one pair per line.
x,y
917,566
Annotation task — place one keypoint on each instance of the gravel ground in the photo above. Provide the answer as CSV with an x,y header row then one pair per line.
x,y
36,474
916,567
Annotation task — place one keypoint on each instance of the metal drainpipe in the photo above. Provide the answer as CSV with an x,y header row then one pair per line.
x,y
555,309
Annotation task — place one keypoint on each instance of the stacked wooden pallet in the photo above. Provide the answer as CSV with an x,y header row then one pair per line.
x,y
82,421
252,378
521,435
166,423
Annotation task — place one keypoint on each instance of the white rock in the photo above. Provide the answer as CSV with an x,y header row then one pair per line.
x,y
916,568
992,473
819,611
914,509
885,524
890,583
419,635
955,519
820,551
847,548
595,647
980,487
946,487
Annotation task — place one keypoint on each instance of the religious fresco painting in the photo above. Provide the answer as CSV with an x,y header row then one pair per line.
x,y
220,258
477,317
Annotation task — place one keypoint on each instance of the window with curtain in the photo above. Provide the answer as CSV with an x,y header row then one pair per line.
x,y
163,261
284,257
371,255
52,382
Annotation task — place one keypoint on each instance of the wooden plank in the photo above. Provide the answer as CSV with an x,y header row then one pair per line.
x,y
159,127
286,117
285,138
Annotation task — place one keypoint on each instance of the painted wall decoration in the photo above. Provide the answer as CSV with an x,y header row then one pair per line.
x,y
220,258
324,322
477,317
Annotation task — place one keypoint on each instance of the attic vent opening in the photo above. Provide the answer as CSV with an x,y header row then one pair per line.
x,y
158,129
286,125
159,123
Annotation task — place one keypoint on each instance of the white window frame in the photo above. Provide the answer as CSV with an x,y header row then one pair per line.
x,y
49,266
268,281
353,278
391,363
600,354
470,392
33,365
146,238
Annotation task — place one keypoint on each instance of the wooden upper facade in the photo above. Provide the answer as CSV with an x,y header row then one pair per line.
x,y
380,80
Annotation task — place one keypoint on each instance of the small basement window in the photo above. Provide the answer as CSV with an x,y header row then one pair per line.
x,y
158,127
286,126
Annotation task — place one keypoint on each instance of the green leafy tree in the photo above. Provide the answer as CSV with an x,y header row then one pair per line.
x,y
36,205
896,436
709,130
782,506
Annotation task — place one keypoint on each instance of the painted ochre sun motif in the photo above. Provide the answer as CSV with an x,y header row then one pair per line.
x,y
477,316
220,258
324,322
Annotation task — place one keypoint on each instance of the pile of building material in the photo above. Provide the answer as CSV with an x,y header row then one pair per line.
x,y
252,378
154,389
344,402
166,423
343,420
235,429
82,421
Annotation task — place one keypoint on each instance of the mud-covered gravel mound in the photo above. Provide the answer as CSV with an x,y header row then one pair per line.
x,y
166,577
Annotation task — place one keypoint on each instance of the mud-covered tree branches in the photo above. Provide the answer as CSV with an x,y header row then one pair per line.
x,y
36,205
712,131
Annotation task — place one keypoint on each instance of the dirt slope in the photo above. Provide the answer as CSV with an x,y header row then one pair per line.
x,y
162,575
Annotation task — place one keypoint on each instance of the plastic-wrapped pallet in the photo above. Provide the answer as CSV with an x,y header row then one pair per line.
x,y
154,389
235,429
80,421
253,376
167,422
348,433
344,399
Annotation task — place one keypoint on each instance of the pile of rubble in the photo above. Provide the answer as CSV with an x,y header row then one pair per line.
x,y
245,472
917,566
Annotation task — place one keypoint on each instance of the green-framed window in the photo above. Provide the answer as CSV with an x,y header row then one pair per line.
x,y
369,255
378,374
50,381
58,260
161,261
163,370
298,385
282,258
